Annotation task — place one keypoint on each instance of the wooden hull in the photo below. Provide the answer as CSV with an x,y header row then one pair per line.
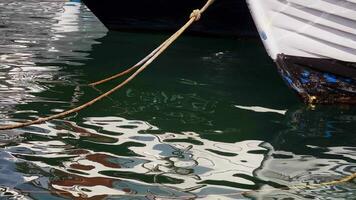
x,y
313,44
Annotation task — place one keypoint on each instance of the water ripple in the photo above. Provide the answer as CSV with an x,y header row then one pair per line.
x,y
38,40
192,139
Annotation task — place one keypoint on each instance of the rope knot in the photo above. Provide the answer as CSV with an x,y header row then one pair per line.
x,y
196,14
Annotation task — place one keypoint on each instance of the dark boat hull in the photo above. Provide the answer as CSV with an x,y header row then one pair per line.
x,y
316,80
224,17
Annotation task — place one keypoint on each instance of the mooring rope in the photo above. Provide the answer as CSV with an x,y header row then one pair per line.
x,y
343,180
129,69
195,16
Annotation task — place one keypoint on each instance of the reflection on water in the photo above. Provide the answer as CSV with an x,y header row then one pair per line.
x,y
169,164
323,133
293,170
116,157
38,41
217,128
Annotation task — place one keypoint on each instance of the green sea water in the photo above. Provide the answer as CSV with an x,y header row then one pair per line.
x,y
209,119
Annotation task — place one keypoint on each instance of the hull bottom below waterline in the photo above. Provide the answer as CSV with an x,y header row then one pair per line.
x,y
319,81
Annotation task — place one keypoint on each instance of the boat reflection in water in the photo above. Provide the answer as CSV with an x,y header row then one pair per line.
x,y
303,175
326,158
138,160
164,165
38,41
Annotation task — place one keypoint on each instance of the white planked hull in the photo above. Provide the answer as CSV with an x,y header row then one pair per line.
x,y
307,28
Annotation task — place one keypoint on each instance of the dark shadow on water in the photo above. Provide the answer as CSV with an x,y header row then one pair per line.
x,y
198,81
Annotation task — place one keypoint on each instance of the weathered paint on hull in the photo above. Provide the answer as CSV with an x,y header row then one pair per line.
x,y
319,81
313,44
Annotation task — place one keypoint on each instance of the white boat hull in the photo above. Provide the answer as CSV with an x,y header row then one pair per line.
x,y
307,28
313,43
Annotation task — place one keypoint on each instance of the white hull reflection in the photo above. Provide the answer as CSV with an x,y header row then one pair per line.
x,y
303,176
157,165
186,168
37,40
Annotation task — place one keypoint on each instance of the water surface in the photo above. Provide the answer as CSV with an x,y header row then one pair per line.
x,y
210,119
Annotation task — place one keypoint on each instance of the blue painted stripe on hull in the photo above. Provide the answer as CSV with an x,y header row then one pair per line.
x,y
315,81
